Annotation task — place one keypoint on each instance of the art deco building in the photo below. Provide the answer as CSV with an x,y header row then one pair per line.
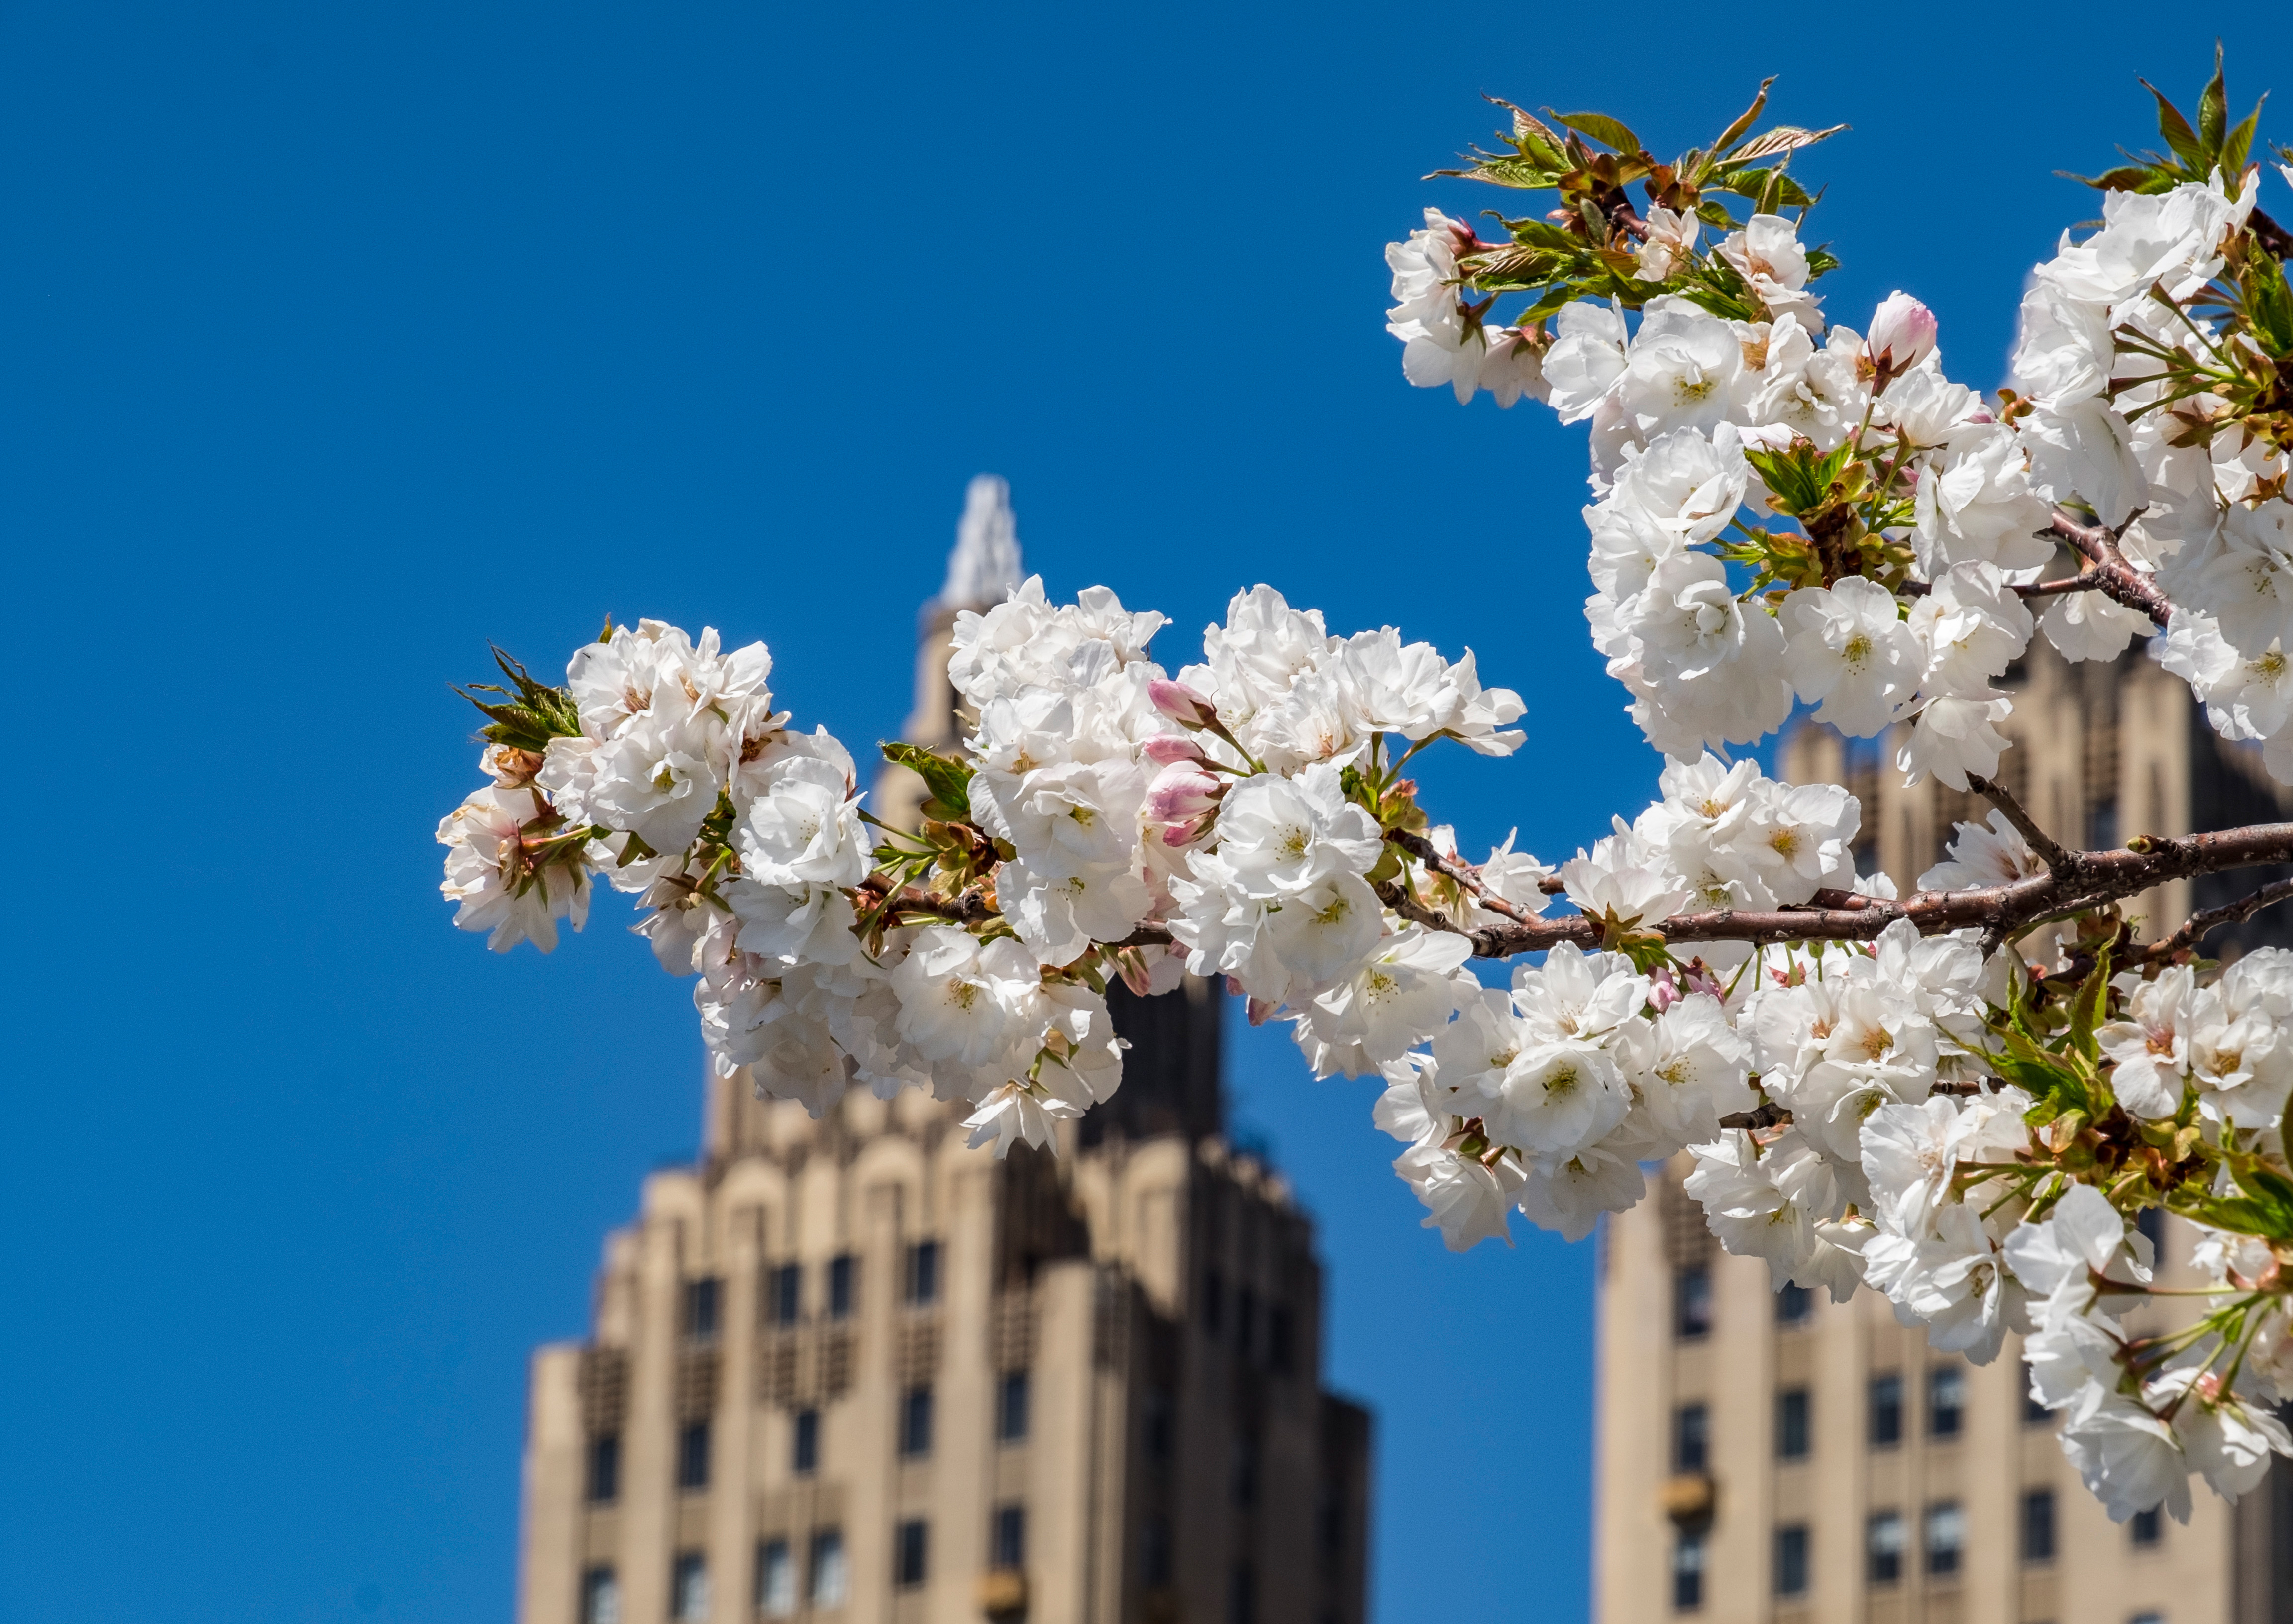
x,y
1767,1456
848,1369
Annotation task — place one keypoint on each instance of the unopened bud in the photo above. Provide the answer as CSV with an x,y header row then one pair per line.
x,y
1163,749
1181,704
1179,793
1903,334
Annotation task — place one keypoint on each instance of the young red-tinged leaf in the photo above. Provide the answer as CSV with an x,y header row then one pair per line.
x,y
1743,120
1783,138
2088,1005
2239,145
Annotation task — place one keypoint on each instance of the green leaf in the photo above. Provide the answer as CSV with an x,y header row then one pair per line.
x,y
2177,133
2268,1188
2088,1005
2238,1216
1609,131
2213,108
948,779
2238,149
2125,177
2269,306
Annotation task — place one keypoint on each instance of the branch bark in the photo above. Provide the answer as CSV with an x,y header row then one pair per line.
x,y
2113,574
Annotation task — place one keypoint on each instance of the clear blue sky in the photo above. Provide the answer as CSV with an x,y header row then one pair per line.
x,y
339,340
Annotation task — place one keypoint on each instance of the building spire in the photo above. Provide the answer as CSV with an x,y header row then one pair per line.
x,y
984,566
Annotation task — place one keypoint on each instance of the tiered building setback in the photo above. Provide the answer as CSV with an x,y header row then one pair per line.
x,y
1774,1456
850,1369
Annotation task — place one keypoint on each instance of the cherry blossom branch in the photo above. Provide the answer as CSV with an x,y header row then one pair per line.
x,y
1467,875
2087,582
2113,574
2200,925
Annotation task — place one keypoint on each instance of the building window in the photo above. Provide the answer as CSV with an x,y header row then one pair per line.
x,y
1883,1547
2150,1222
2147,1618
1242,1594
776,1579
839,1286
829,1581
1691,1304
700,1304
1691,1426
923,1274
1011,1536
784,1294
604,1470
1011,1407
2146,1528
2038,1525
911,1553
1793,1437
1791,1559
1243,1469
1946,1537
1886,1413
1155,1553
804,1457
1281,1349
1946,1400
2034,1413
693,1455
1213,1303
1159,1424
916,1422
688,1588
601,1597
1687,1571
1794,1306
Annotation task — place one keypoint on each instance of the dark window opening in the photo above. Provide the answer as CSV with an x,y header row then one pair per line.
x,y
830,1581
1155,1553
1242,1470
923,1273
1691,1426
693,1456
2146,1528
1159,1424
604,1470
1886,1411
1011,1536
784,1294
1946,1538
1691,1304
1946,1400
1281,1342
1794,1432
775,1579
700,1304
839,1286
601,1597
1795,1305
1011,1407
2150,1221
1688,1573
2038,1525
911,1553
916,1422
1883,1547
1791,1560
804,1457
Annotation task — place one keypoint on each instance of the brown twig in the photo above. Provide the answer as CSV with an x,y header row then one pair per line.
x,y
2086,582
2113,574
1464,873
2200,925
2059,863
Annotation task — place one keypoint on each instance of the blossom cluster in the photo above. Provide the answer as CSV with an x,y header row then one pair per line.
x,y
1785,512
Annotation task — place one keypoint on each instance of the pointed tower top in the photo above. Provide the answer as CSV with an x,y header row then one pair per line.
x,y
984,566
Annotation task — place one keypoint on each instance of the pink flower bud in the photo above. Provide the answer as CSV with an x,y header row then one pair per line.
x,y
1180,793
1163,749
1902,336
1662,992
1180,703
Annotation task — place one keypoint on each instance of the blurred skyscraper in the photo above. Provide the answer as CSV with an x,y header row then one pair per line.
x,y
848,1368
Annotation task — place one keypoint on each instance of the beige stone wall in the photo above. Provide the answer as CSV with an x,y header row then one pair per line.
x,y
1093,1272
